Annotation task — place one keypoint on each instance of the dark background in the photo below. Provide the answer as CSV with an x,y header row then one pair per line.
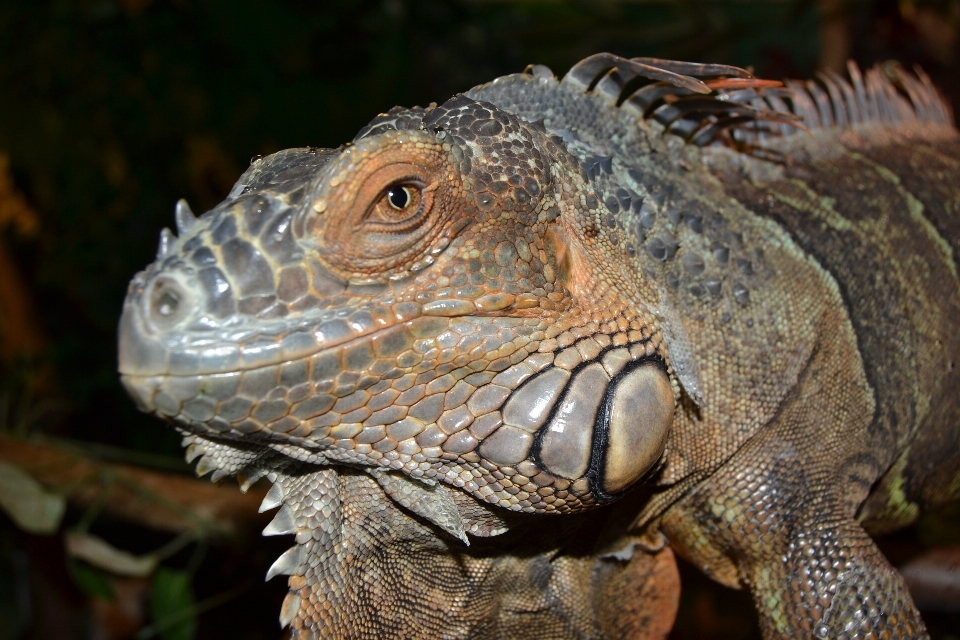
x,y
111,110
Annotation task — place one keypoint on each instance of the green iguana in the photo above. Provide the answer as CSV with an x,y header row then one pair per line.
x,y
493,354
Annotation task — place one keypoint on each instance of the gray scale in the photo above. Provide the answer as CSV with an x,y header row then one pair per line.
x,y
607,419
565,443
639,415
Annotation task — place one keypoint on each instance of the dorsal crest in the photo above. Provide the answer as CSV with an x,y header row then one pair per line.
x,y
711,104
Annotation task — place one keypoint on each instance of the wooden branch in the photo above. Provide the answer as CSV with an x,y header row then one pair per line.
x,y
155,499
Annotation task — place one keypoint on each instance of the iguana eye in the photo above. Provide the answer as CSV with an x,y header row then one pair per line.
x,y
399,208
383,209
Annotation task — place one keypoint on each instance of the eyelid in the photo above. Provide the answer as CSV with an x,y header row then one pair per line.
x,y
375,186
383,200
416,183
363,238
404,225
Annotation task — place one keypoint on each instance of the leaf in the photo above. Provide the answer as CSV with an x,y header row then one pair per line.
x,y
172,605
102,554
28,503
91,580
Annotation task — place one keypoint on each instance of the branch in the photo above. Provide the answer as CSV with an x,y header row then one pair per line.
x,y
154,499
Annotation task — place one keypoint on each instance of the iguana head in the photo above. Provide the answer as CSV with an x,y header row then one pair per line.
x,y
445,297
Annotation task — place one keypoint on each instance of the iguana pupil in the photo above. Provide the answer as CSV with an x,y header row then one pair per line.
x,y
399,197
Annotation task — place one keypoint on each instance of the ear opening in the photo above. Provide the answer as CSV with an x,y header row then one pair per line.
x,y
572,265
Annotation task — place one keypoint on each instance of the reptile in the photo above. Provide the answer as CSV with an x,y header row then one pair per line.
x,y
501,358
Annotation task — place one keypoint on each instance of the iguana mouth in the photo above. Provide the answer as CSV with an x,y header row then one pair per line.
x,y
580,413
239,346
301,390
236,349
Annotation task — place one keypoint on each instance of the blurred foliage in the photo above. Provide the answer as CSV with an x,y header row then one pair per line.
x,y
172,605
27,503
14,210
91,580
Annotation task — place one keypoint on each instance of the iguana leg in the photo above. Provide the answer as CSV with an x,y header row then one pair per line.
x,y
364,567
811,575
783,525
779,516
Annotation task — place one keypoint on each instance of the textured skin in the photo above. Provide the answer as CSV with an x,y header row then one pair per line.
x,y
487,593
570,336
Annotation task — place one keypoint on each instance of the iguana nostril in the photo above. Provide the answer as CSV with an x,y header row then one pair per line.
x,y
168,304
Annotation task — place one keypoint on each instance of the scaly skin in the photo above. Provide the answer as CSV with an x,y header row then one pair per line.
x,y
530,320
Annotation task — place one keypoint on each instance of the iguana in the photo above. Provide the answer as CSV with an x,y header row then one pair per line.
x,y
494,353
